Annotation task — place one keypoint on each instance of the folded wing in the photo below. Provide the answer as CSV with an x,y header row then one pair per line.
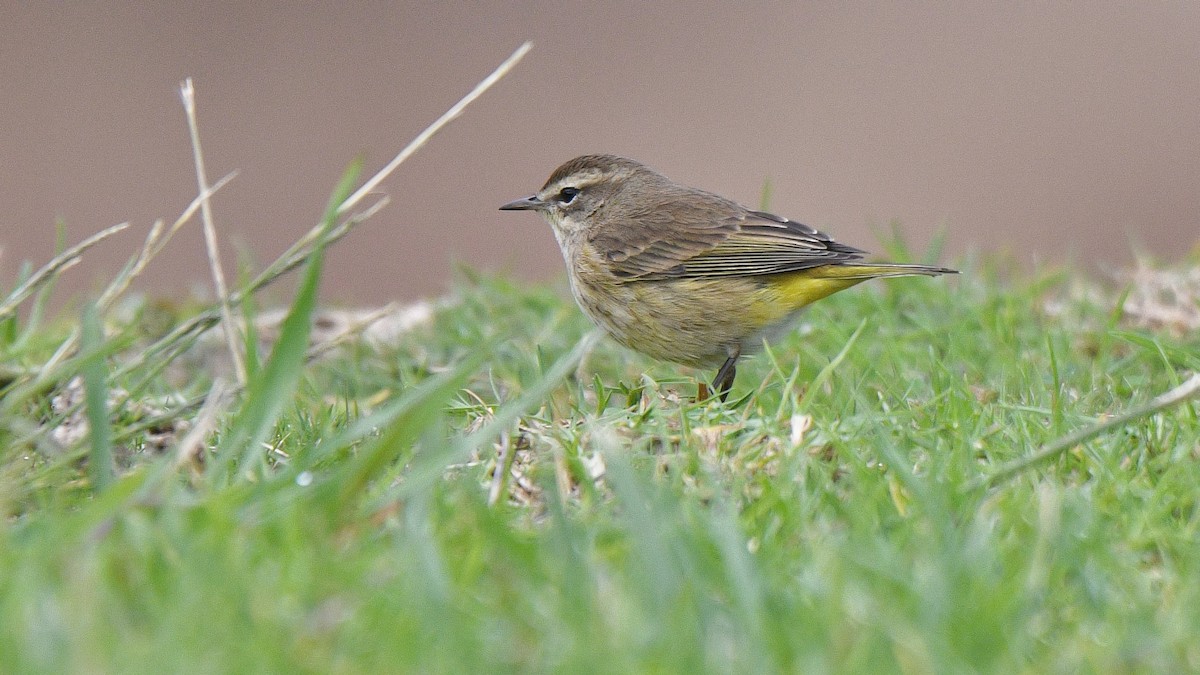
x,y
677,243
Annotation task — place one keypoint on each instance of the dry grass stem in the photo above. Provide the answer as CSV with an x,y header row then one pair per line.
x,y
447,117
210,234
52,269
1177,395
190,451
155,242
353,329
181,338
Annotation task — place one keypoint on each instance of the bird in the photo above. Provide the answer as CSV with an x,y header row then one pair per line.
x,y
684,275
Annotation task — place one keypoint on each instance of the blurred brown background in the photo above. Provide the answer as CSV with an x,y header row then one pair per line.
x,y
1052,132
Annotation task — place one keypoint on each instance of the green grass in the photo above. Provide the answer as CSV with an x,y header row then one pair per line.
x,y
337,518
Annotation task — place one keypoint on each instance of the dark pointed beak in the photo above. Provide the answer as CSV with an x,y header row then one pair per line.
x,y
530,203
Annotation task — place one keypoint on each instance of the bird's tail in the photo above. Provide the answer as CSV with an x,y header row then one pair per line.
x,y
864,271
801,288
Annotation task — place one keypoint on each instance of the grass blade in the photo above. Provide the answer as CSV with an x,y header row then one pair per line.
x,y
95,384
273,390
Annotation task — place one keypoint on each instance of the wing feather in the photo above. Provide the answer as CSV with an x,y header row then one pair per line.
x,y
700,235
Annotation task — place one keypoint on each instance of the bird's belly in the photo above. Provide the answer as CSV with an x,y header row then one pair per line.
x,y
695,322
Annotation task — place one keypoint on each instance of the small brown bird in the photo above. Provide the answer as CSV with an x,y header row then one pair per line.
x,y
685,275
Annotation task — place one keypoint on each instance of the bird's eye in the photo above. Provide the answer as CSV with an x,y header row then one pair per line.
x,y
568,194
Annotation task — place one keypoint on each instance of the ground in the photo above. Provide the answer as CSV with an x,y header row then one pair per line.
x,y
491,489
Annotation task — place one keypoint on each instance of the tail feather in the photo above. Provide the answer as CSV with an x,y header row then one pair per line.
x,y
874,270
797,289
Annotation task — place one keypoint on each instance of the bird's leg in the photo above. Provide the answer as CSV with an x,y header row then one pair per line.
x,y
723,382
